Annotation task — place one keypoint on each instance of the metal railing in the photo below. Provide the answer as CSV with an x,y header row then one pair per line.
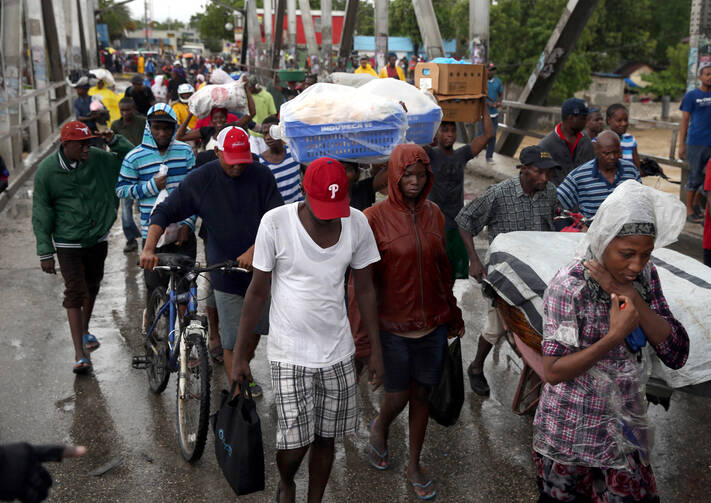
x,y
507,105
29,127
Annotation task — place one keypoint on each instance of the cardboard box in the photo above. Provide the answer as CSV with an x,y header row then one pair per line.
x,y
451,79
462,108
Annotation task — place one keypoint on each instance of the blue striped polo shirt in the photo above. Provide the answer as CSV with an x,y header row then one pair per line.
x,y
287,176
586,188
141,164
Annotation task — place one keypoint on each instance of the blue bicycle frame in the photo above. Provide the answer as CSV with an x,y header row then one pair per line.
x,y
172,305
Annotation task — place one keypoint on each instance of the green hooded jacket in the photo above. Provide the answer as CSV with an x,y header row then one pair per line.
x,y
76,207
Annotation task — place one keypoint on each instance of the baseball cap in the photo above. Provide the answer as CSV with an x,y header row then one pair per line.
x,y
234,144
161,116
536,156
326,185
574,106
491,66
76,131
703,65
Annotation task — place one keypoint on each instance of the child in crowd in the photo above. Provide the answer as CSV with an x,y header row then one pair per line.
x,y
618,120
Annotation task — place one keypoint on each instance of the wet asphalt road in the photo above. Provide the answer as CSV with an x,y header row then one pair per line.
x,y
484,458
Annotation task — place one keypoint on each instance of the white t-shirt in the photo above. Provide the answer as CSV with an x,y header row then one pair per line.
x,y
308,323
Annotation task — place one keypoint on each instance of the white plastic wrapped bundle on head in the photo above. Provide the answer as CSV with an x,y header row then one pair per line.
x,y
351,79
417,102
219,76
632,202
231,96
105,75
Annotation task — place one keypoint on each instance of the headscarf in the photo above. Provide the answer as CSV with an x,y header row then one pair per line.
x,y
632,209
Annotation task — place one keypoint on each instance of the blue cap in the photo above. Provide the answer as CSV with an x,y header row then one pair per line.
x,y
574,106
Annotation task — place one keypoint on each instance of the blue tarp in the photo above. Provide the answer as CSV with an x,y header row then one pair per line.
x,y
102,32
362,43
630,83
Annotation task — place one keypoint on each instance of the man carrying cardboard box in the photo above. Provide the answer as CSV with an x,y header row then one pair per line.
x,y
448,186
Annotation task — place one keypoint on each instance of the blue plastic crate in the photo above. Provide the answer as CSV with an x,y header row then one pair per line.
x,y
346,140
422,128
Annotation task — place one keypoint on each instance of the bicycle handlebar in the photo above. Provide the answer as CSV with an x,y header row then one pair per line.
x,y
228,265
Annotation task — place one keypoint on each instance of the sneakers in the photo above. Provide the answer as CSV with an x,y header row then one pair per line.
x,y
130,246
256,389
478,383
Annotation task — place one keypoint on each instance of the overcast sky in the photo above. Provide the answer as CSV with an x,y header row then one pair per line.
x,y
174,9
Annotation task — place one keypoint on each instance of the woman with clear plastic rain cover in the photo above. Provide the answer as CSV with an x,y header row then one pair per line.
x,y
592,438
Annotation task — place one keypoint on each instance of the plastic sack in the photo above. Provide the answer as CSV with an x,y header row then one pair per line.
x,y
159,90
105,75
170,233
423,113
341,122
219,76
446,399
351,79
231,96
632,202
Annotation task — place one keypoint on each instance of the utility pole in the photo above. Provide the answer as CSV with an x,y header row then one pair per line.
x,y
145,22
308,24
381,33
479,31
278,34
429,29
560,44
268,29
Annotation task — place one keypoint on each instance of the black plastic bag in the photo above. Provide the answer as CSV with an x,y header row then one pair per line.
x,y
447,398
238,441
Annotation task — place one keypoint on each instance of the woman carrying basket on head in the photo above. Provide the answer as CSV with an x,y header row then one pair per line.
x,y
416,307
591,432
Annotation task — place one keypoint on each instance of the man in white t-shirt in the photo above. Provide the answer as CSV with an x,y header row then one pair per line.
x,y
304,249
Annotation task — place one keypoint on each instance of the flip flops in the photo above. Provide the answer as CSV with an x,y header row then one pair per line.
x,y
378,460
82,366
90,342
418,488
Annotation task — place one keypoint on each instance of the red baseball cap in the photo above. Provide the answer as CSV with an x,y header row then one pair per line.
x,y
76,131
234,144
326,184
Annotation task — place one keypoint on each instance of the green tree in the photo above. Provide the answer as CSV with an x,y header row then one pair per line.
x,y
670,25
211,23
116,17
672,80
365,20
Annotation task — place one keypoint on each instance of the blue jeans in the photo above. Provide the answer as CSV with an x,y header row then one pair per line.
x,y
492,143
129,225
698,156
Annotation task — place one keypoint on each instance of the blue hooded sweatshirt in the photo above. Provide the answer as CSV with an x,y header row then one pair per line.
x,y
141,164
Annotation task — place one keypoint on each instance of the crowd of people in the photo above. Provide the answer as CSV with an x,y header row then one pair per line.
x,y
342,283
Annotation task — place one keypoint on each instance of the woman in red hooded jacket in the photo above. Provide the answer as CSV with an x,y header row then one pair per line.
x,y
416,307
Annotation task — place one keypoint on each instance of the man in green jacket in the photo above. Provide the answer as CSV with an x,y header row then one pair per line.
x,y
73,208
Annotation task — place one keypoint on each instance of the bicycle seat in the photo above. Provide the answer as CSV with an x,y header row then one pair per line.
x,y
175,260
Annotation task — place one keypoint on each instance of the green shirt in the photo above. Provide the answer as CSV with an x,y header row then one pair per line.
x,y
263,106
133,131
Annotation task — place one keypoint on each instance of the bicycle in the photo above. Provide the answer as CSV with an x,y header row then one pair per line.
x,y
184,352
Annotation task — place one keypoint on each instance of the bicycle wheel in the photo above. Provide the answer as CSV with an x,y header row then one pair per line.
x,y
157,351
193,404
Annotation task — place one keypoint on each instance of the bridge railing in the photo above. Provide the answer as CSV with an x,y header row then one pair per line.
x,y
29,128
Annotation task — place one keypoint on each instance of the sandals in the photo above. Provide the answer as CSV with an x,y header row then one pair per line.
x,y
421,489
82,366
90,342
378,460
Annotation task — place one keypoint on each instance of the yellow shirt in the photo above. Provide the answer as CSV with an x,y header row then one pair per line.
x,y
367,69
110,101
384,72
181,111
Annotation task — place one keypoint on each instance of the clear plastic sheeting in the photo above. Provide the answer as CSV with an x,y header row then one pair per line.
x,y
231,96
632,202
351,79
612,417
331,120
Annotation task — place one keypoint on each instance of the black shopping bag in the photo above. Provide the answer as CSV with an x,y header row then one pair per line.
x,y
447,398
238,441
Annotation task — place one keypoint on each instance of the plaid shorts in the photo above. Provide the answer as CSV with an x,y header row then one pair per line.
x,y
314,401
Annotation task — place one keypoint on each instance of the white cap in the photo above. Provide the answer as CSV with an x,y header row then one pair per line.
x,y
184,89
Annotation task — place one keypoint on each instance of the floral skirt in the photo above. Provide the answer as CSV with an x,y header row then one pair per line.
x,y
559,482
